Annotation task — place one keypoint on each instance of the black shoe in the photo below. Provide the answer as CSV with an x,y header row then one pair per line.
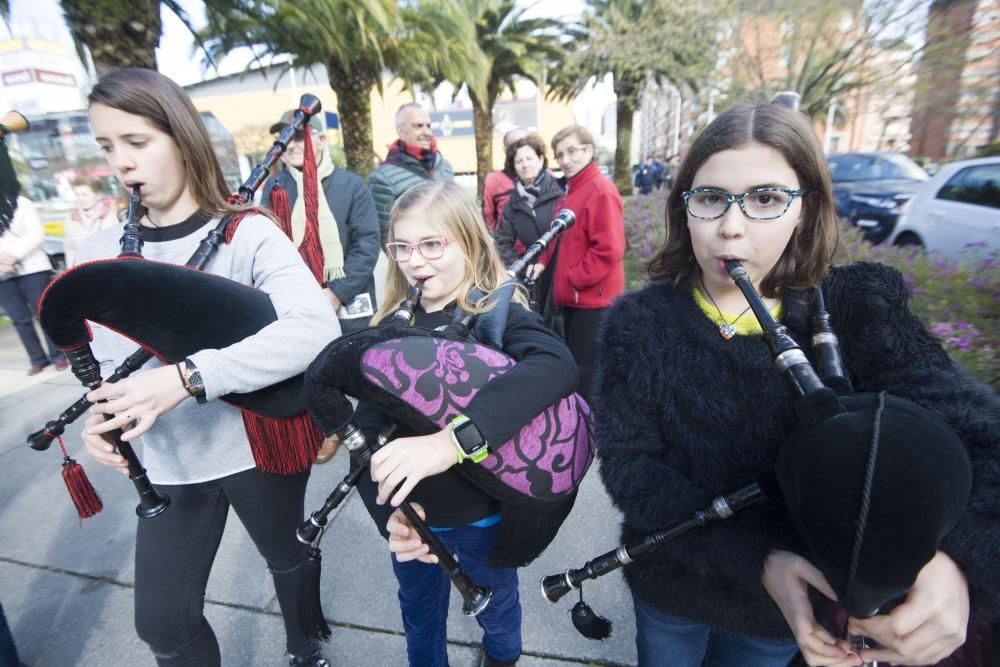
x,y
314,659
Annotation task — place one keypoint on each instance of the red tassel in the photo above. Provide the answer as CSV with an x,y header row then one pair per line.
x,y
279,206
87,502
234,222
283,446
310,249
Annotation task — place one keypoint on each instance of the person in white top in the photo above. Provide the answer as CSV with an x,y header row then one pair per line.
x,y
25,272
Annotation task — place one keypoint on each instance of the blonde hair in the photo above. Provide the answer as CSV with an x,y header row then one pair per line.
x,y
455,210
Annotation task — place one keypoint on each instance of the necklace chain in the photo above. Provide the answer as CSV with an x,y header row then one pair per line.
x,y
726,329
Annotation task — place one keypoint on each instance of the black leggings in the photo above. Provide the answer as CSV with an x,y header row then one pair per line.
x,y
175,551
581,327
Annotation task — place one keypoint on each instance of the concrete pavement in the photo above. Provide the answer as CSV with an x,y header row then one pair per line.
x,y
66,586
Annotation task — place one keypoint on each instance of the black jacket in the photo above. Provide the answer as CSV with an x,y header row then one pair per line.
x,y
352,205
682,416
525,223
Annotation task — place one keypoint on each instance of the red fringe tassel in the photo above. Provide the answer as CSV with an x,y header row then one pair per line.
x,y
310,248
234,222
278,203
84,496
283,446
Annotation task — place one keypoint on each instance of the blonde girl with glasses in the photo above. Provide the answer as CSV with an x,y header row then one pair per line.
x,y
688,406
437,237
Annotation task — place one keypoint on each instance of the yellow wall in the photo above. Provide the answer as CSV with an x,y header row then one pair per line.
x,y
261,108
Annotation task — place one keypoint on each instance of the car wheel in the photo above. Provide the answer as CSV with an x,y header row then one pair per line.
x,y
909,240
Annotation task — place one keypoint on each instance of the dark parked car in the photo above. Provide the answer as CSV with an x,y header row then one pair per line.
x,y
870,189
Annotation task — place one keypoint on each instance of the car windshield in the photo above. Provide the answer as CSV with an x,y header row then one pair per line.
x,y
874,167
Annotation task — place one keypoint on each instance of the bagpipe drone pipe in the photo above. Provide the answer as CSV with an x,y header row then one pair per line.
x,y
182,309
871,482
422,379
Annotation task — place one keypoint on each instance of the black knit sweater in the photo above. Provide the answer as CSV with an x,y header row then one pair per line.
x,y
683,416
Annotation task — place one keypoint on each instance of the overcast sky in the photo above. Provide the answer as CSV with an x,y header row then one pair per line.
x,y
175,55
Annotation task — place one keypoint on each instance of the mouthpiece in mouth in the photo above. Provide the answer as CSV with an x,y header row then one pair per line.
x,y
735,269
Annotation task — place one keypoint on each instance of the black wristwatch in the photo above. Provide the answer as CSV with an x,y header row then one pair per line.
x,y
468,440
193,382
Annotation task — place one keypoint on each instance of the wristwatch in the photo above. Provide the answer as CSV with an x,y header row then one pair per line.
x,y
193,382
468,440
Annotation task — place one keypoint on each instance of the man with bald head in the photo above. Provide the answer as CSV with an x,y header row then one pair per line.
x,y
412,159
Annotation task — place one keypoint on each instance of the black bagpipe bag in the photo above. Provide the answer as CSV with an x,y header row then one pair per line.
x,y
423,378
173,311
872,483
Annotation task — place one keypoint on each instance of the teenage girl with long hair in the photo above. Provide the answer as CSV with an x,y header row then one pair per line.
x,y
195,447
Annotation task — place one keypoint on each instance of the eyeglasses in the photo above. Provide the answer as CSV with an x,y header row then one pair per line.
x,y
759,204
570,152
428,248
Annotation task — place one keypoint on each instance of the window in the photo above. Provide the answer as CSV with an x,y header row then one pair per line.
x,y
974,185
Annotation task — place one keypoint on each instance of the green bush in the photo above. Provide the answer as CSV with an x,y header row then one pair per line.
x,y
958,302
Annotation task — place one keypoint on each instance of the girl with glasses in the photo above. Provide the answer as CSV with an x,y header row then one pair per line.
x,y
688,406
437,237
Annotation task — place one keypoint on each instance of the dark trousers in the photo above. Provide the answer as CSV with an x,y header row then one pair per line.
x,y
19,297
8,652
581,326
175,551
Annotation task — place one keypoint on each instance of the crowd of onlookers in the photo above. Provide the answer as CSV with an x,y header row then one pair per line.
x,y
570,285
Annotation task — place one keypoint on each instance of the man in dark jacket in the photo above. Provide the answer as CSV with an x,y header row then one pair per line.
x,y
412,158
351,251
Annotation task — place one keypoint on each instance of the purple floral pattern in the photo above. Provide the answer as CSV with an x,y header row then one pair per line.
x,y
547,458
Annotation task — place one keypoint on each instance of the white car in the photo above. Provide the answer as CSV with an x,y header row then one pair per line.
x,y
956,211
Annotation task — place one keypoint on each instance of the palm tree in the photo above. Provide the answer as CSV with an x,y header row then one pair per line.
x,y
509,46
356,40
635,41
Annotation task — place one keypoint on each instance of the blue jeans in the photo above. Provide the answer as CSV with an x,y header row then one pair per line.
x,y
677,642
424,590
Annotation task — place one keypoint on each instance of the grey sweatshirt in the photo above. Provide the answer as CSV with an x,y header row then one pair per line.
x,y
196,443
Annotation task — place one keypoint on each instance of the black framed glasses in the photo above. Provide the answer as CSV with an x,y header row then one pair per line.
x,y
428,248
758,204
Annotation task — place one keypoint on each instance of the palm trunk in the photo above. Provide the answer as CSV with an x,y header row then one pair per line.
x,y
118,35
483,117
353,89
628,99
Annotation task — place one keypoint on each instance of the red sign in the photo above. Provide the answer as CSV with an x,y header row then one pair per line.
x,y
17,77
22,76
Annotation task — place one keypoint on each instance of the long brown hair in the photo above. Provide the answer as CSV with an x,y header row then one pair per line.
x,y
813,243
458,213
149,94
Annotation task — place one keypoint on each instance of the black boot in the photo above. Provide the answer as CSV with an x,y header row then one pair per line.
x,y
314,659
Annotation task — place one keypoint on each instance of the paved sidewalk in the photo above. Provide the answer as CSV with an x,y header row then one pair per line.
x,y
66,586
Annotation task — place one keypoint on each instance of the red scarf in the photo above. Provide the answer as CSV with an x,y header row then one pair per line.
x,y
425,156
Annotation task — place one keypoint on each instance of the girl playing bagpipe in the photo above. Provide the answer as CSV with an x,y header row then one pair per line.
x,y
438,240
688,405
196,447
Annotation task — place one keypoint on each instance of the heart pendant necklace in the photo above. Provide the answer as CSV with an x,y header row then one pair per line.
x,y
726,329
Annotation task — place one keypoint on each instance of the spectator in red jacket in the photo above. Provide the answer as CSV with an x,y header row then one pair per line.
x,y
499,185
589,274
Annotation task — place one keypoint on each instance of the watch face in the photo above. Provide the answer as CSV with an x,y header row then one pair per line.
x,y
469,438
195,379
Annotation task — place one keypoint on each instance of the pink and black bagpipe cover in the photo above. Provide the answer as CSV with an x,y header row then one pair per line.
x,y
423,378
173,312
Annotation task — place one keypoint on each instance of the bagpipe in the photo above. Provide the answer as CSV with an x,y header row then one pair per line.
x,y
902,481
422,379
183,309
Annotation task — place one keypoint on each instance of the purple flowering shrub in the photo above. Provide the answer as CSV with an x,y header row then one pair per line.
x,y
645,230
959,302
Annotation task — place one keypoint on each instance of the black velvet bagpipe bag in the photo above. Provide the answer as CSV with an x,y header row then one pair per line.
x,y
173,311
871,491
423,378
